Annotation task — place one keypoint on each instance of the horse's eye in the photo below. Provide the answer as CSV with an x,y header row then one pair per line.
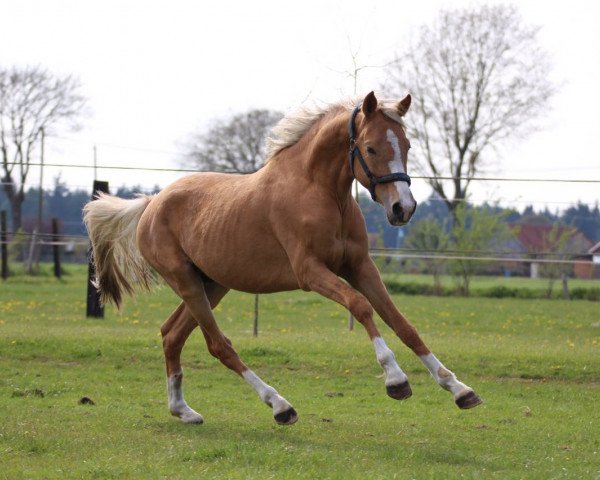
x,y
371,151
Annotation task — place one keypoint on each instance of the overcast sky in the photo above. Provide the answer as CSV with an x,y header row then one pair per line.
x,y
155,70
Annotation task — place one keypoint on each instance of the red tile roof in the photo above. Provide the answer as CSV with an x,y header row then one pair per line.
x,y
534,237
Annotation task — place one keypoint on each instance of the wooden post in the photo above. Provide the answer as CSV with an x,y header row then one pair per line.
x,y
94,308
32,244
56,248
4,244
255,329
38,247
565,287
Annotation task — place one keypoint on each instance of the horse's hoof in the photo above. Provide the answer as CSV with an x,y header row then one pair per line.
x,y
188,415
399,392
470,400
192,418
287,417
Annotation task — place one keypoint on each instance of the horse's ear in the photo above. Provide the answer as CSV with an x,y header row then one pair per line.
x,y
369,104
403,105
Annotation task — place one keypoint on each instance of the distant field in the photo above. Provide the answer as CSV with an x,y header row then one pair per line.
x,y
535,363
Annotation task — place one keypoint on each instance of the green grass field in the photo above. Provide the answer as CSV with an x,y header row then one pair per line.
x,y
535,363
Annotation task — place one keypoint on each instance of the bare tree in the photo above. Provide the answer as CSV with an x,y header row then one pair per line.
x,y
33,103
235,145
477,77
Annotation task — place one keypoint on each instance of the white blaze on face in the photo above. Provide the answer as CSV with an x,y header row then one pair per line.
x,y
406,198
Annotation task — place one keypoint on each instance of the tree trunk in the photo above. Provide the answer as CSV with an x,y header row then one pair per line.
x,y
16,216
16,203
16,199
565,287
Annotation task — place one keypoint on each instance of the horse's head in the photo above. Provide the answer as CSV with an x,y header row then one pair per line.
x,y
379,146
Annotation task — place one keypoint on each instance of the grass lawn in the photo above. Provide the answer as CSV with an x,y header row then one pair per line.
x,y
535,363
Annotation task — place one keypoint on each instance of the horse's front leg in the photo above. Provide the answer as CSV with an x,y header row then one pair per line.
x,y
318,278
367,280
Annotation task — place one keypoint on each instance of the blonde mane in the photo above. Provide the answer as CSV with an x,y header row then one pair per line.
x,y
291,128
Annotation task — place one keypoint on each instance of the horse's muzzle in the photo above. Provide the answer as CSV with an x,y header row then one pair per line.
x,y
400,215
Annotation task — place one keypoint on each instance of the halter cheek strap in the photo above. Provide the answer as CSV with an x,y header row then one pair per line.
x,y
374,180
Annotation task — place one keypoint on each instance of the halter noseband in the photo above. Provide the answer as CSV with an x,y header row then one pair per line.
x,y
355,152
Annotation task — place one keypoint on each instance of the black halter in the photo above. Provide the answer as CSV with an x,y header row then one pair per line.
x,y
355,152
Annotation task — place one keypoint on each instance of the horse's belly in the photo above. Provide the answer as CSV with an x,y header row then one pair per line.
x,y
249,270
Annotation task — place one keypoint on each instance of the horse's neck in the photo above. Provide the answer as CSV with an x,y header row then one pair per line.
x,y
321,156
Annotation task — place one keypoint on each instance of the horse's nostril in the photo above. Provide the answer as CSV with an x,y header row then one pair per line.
x,y
397,210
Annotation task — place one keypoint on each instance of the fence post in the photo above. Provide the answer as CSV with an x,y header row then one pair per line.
x,y
94,308
32,244
56,248
255,326
565,287
4,244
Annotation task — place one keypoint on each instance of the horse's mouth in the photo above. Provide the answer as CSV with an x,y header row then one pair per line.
x,y
397,222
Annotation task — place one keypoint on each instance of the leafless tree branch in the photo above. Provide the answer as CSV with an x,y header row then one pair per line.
x,y
32,100
236,145
477,76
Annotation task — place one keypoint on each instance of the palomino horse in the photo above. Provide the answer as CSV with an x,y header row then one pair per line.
x,y
292,224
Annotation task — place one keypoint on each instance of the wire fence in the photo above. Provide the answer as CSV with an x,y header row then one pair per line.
x,y
418,177
402,253
73,241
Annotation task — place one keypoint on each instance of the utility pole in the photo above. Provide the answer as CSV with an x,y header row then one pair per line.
x,y
41,192
354,76
354,73
3,245
95,163
34,250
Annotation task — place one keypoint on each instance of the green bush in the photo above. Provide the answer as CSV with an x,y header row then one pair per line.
x,y
408,288
592,294
497,291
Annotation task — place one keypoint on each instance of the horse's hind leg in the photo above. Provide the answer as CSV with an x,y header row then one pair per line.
x,y
175,331
221,348
189,286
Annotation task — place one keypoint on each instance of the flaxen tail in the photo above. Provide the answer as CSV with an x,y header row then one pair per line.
x,y
112,223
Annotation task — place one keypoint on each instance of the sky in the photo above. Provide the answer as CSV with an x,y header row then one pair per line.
x,y
154,71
